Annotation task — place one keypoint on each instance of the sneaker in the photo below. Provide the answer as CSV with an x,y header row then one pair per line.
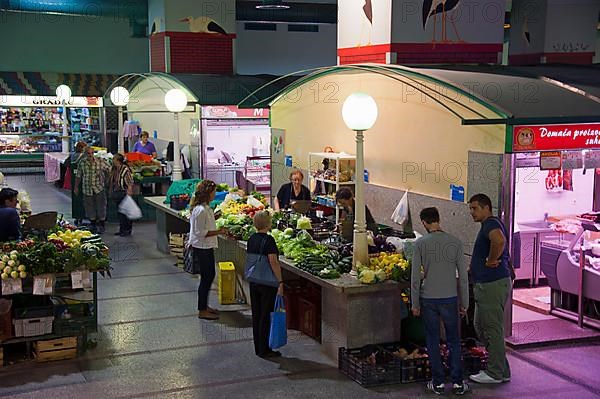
x,y
506,379
460,389
436,389
484,378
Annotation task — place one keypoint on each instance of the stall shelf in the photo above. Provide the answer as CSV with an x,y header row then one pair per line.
x,y
341,174
80,304
352,314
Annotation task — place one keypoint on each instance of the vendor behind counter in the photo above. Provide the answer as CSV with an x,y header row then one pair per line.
x,y
9,216
345,198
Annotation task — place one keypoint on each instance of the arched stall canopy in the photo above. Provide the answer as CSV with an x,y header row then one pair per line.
x,y
431,121
146,102
437,128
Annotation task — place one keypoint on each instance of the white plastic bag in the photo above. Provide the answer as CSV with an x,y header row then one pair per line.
x,y
129,208
253,201
401,213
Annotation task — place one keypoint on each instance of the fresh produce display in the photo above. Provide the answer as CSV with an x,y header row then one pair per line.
x,y
394,265
65,251
381,245
223,187
10,266
70,238
303,223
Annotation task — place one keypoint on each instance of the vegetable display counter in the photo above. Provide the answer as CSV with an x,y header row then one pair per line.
x,y
352,314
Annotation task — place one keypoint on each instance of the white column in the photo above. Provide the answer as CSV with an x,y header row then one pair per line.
x,y
65,132
176,152
361,250
120,138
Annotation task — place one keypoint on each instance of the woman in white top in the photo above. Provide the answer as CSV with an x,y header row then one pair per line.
x,y
203,240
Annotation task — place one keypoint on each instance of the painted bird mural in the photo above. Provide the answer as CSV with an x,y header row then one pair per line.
x,y
431,8
368,13
203,24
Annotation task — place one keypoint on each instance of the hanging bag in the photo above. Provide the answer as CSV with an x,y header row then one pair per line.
x,y
129,208
278,332
258,268
189,265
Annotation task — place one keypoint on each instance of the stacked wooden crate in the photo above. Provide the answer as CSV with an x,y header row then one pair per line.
x,y
55,349
176,245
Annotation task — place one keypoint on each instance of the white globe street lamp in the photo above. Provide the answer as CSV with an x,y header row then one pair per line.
x,y
176,101
63,94
359,113
119,96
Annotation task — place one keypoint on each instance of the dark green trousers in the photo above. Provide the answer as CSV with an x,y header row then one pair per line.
x,y
490,300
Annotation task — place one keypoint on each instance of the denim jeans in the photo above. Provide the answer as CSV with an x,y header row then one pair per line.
x,y
433,311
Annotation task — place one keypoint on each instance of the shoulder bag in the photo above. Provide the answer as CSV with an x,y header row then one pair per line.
x,y
258,268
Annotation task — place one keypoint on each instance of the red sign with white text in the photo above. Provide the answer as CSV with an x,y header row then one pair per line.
x,y
233,112
556,137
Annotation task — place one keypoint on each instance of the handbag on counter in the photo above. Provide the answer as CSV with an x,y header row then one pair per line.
x,y
258,269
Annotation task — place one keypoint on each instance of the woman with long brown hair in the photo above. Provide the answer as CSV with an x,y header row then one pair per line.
x,y
203,241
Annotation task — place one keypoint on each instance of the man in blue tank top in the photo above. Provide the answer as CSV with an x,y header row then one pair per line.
x,y
490,270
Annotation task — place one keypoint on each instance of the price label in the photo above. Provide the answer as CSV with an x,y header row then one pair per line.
x,y
572,160
12,286
592,159
76,280
86,279
550,160
43,285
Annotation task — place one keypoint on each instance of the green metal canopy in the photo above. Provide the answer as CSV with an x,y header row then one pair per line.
x,y
510,97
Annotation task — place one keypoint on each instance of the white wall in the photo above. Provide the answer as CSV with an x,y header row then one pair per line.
x,y
281,52
532,199
70,44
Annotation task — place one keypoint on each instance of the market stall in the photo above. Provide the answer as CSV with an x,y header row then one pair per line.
x,y
49,301
33,125
324,301
441,135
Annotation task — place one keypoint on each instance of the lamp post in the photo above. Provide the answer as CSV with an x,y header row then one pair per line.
x,y
176,101
120,97
359,113
63,94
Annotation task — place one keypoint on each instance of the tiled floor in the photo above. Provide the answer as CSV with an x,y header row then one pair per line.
x,y
152,345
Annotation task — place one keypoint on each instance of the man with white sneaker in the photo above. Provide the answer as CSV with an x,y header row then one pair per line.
x,y
490,270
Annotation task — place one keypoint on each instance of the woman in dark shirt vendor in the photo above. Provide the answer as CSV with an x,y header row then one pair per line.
x,y
293,191
9,216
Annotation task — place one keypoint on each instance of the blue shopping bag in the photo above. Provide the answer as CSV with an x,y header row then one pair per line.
x,y
278,332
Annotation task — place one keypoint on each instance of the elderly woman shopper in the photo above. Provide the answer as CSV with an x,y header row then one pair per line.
x,y
203,241
262,297
120,185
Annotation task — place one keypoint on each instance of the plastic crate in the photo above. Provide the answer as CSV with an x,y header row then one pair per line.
x,y
355,364
179,203
226,283
415,370
473,364
34,326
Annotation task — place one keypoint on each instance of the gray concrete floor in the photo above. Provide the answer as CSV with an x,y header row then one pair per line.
x,y
152,345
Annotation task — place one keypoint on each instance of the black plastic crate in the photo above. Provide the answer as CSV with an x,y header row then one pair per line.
x,y
415,370
385,369
74,318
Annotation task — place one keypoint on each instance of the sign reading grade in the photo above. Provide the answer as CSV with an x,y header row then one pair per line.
x,y
556,137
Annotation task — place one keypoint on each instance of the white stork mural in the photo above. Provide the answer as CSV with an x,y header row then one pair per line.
x,y
432,8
